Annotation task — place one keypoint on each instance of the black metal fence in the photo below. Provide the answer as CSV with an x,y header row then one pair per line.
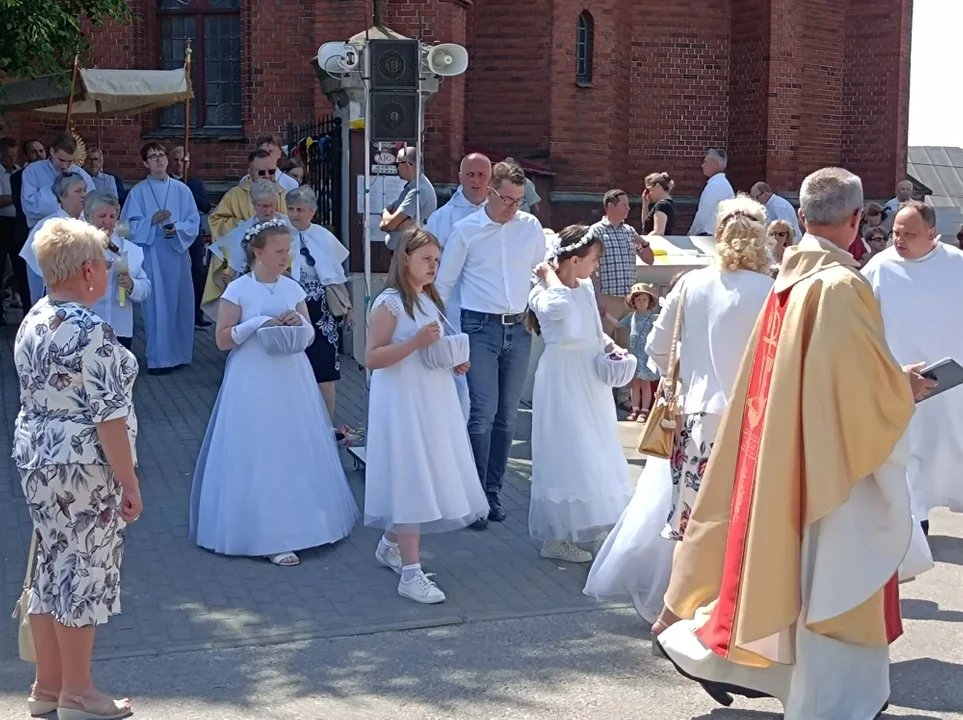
x,y
318,146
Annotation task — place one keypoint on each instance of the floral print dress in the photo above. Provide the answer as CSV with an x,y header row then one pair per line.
x,y
691,448
73,373
323,352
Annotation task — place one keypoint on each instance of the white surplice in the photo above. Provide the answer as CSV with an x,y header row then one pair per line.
x,y
920,301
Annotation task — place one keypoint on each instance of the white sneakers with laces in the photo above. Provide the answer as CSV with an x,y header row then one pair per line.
x,y
389,556
565,551
420,588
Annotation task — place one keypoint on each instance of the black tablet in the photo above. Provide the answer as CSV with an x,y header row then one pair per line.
x,y
947,373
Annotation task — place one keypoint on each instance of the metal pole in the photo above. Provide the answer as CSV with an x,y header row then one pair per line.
x,y
367,212
73,84
187,108
418,145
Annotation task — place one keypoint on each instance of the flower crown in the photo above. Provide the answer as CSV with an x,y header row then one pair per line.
x,y
261,227
555,246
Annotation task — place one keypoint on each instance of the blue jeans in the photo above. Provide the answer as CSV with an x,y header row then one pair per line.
x,y
496,378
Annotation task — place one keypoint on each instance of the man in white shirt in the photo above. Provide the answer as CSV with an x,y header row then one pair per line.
x,y
917,281
904,193
716,190
491,254
37,197
474,177
777,208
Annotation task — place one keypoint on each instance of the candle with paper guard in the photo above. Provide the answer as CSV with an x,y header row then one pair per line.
x,y
122,229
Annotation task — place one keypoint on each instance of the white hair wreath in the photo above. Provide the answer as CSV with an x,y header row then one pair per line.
x,y
261,227
554,246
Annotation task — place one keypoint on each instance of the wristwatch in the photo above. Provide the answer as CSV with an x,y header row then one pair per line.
x,y
643,243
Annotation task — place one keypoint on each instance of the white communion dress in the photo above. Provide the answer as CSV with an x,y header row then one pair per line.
x,y
580,478
420,470
635,561
268,479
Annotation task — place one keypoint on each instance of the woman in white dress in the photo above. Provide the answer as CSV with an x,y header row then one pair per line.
x,y
127,268
268,479
420,475
580,478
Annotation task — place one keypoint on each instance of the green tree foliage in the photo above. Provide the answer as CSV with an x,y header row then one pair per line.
x,y
41,37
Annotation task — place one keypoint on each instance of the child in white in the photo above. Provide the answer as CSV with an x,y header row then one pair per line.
x,y
580,478
268,480
420,475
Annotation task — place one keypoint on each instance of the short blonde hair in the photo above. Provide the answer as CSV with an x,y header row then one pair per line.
x,y
741,240
63,245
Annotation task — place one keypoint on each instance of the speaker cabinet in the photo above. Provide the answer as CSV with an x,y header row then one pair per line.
x,y
394,116
395,64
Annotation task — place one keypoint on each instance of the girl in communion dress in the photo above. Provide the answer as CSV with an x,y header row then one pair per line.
x,y
580,478
268,479
420,475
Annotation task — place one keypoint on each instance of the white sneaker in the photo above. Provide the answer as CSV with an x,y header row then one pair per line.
x,y
565,550
421,589
390,557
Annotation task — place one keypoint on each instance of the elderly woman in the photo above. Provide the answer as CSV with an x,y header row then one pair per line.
x,y
318,266
718,305
70,189
74,444
128,282
265,195
781,235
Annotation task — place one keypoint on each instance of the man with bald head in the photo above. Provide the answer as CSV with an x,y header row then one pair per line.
x,y
777,208
474,177
904,193
917,281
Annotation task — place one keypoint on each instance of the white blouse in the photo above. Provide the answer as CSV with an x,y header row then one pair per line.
x,y
718,317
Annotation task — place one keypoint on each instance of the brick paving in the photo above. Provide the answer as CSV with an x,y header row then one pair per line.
x,y
176,596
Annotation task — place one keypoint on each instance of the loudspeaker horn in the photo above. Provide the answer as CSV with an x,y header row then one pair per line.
x,y
337,56
447,59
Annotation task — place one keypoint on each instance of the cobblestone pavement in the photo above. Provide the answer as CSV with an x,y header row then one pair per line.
x,y
176,596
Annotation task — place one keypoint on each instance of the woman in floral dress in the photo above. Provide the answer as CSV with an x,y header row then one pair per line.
x,y
74,446
318,265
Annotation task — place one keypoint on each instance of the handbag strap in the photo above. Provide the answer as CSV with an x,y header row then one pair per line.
x,y
673,377
447,322
31,561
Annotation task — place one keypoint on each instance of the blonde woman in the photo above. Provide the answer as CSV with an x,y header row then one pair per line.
x,y
781,235
74,445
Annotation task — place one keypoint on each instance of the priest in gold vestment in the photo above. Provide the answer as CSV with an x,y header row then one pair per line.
x,y
785,582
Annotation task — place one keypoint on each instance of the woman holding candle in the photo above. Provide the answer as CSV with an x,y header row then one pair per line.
x,y
127,282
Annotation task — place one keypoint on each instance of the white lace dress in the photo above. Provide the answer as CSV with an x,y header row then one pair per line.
x,y
580,478
419,469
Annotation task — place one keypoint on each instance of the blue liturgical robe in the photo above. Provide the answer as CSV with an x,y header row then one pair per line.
x,y
169,309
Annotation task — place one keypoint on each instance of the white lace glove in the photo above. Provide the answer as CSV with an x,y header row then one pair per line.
x,y
243,331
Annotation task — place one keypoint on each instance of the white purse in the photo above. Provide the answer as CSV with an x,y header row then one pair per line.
x,y
919,557
615,371
448,351
285,339
28,651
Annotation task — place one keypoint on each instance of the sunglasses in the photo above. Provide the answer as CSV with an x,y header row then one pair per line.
x,y
308,258
266,173
876,238
781,234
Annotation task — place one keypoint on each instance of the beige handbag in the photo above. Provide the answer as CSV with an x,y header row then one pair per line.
x,y
339,302
664,419
27,651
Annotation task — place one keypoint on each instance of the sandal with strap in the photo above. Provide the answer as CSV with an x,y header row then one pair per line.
x,y
633,416
643,416
285,559
106,709
37,707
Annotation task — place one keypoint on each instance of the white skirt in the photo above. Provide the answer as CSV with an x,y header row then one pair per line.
x,y
635,562
419,472
580,478
269,478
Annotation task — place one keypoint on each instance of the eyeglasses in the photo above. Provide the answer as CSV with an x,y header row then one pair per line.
x,y
155,156
507,201
266,173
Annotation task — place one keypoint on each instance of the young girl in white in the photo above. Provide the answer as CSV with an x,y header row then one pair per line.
x,y
580,478
268,479
420,476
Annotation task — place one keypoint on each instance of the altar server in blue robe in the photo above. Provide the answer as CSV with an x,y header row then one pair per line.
x,y
164,221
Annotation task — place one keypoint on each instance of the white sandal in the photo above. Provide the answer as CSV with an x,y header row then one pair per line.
x,y
108,710
285,559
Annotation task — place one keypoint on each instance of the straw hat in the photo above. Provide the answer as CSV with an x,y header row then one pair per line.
x,y
642,289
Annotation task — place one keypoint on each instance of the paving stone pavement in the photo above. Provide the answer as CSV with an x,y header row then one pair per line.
x,y
176,596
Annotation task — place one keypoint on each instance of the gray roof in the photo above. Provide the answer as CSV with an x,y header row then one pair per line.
x,y
940,169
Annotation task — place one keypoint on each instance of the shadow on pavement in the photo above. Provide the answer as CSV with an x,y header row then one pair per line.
x,y
947,549
923,684
928,610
